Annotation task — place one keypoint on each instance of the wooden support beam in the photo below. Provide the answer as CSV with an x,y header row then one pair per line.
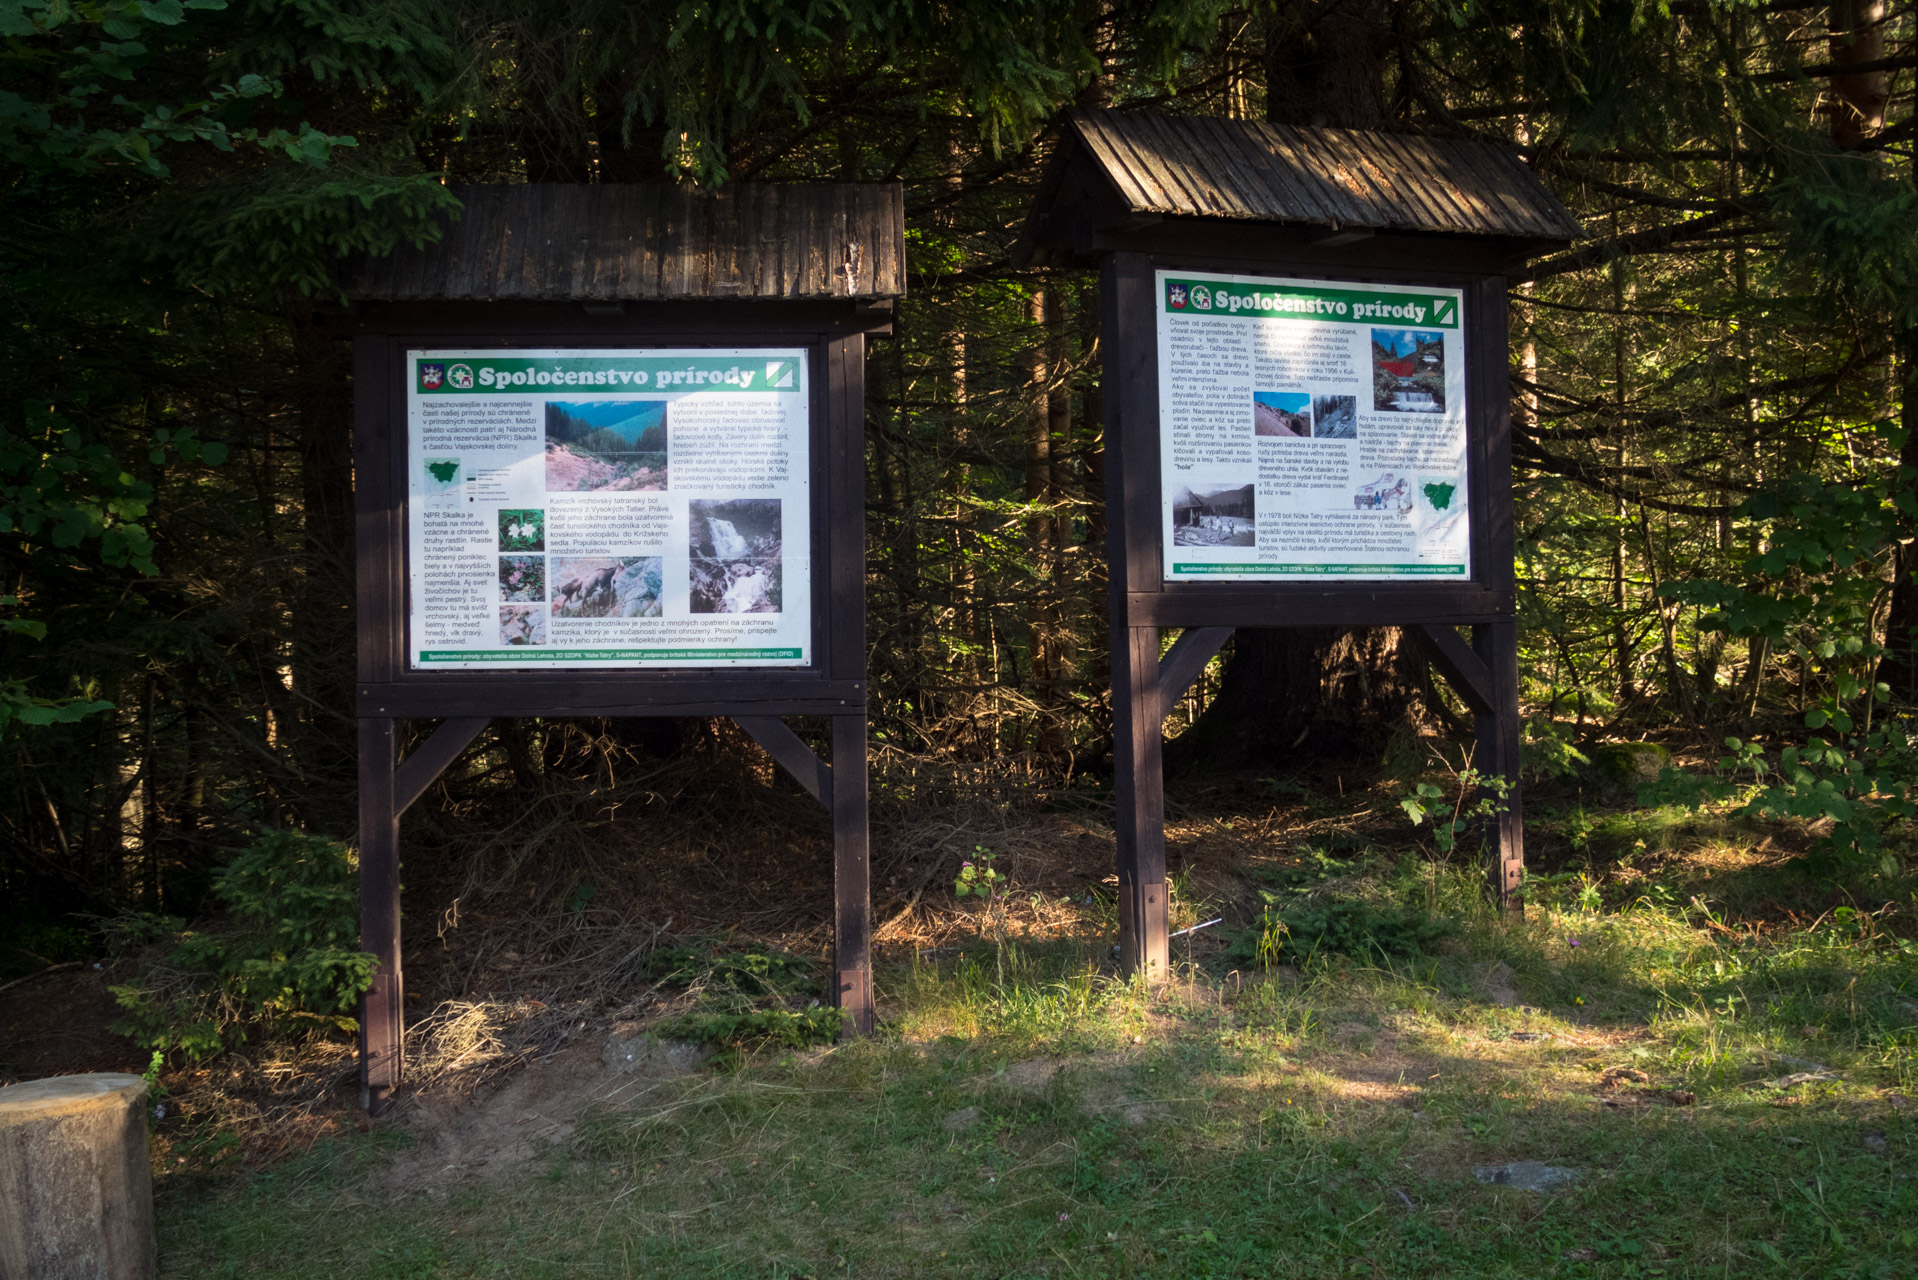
x,y
1452,655
382,1008
429,760
1185,660
1139,792
851,872
1497,754
792,755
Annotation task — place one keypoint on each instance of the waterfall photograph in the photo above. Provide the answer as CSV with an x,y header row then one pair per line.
x,y
735,555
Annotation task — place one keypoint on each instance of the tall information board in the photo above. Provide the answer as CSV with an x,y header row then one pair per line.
x,y
1311,429
591,508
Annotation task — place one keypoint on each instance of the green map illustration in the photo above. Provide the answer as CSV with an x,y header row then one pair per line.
x,y
444,471
1440,495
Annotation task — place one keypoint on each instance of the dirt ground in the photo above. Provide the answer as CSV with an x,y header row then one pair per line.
x,y
58,1023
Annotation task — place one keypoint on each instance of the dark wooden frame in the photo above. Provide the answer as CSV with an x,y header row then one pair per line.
x,y
1144,684
833,684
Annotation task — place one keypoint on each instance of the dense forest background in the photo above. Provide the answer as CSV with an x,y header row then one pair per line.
x,y
1714,391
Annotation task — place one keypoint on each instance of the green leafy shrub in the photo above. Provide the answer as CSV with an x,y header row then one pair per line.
x,y
744,999
758,1028
1341,926
286,958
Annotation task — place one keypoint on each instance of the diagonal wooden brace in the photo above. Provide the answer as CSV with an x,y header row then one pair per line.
x,y
1463,669
792,755
1184,661
428,760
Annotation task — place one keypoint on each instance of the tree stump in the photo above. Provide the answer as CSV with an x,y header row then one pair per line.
x,y
76,1189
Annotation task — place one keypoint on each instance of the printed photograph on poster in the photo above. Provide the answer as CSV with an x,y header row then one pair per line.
x,y
1335,417
607,586
1408,371
735,561
610,445
522,624
522,578
522,530
1389,493
1282,413
1218,518
442,475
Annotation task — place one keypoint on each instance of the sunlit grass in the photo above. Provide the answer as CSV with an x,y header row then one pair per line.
x,y
1025,1111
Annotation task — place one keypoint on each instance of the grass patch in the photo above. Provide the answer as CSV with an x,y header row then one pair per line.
x,y
1731,1097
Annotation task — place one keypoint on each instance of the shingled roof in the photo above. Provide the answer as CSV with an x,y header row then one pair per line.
x,y
614,243
1250,171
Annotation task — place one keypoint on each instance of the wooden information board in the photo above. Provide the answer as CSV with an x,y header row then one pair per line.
x,y
1307,421
584,487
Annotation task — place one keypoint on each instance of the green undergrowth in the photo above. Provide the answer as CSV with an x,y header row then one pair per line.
x,y
742,999
1731,1099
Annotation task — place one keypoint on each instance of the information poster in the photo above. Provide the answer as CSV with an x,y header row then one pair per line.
x,y
608,508
1311,429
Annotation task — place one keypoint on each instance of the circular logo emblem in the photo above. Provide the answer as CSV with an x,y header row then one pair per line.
x,y
461,377
1201,297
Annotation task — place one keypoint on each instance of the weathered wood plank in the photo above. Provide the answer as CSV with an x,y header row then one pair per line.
x,y
435,698
382,1008
1186,658
1138,791
1452,654
851,874
561,243
429,760
791,754
1204,605
375,515
1205,167
1497,754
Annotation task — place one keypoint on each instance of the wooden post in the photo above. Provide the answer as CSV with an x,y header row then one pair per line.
x,y
1497,752
76,1181
382,1008
1138,717
1132,553
851,874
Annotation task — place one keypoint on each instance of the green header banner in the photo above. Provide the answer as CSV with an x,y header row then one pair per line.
x,y
482,375
606,655
1190,297
1393,570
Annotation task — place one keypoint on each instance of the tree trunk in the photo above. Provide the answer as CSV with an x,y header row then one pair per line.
x,y
1325,63
1858,99
1899,666
1322,689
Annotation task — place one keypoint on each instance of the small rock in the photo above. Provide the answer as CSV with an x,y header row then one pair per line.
x,y
1682,1097
1526,1175
1624,763
1798,1078
645,1055
1876,1144
1527,1037
961,1120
